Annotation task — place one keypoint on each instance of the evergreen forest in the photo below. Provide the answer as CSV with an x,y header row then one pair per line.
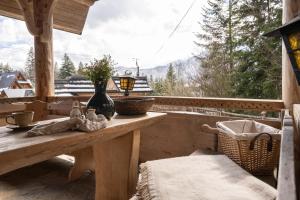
x,y
233,58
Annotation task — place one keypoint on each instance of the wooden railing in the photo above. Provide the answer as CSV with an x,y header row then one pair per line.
x,y
8,104
17,100
286,175
68,98
233,103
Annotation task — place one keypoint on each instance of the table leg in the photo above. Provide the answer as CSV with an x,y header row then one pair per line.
x,y
83,162
134,160
116,164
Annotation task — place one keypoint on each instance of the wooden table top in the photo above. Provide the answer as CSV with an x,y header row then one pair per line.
x,y
17,151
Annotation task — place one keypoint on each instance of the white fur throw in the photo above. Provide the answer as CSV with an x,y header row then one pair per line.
x,y
68,124
203,177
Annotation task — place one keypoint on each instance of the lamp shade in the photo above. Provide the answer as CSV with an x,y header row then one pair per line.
x,y
127,83
290,33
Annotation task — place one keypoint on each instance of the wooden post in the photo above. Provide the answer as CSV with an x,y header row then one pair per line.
x,y
38,15
116,167
290,88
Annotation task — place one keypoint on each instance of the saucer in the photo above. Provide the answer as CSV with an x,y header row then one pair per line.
x,y
16,127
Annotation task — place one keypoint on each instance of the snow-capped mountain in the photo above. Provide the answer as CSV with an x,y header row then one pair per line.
x,y
183,69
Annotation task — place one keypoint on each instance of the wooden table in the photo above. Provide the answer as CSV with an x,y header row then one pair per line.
x,y
112,152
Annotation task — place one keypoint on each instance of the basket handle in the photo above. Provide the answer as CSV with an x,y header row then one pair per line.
x,y
269,145
209,129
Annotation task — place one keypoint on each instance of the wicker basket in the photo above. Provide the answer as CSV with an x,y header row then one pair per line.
x,y
252,145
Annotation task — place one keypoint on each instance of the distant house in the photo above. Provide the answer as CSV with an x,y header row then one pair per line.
x,y
14,84
80,86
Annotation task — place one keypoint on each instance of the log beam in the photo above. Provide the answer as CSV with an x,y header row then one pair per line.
x,y
290,88
86,2
26,7
44,71
38,15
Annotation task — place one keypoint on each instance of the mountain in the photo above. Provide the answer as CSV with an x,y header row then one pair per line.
x,y
183,68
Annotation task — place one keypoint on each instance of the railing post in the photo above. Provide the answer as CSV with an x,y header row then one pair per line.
x,y
290,88
286,175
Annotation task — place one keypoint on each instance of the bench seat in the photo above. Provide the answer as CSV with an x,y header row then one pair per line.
x,y
202,177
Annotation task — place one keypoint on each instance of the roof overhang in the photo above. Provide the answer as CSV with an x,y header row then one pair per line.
x,y
68,15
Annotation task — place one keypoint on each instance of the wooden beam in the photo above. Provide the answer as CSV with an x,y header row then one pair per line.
x,y
44,71
84,161
69,15
296,117
67,98
114,155
286,175
85,2
133,164
26,7
233,103
38,15
290,88
9,108
46,35
17,100
39,108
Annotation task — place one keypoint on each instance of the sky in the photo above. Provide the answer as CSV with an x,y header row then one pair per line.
x,y
125,29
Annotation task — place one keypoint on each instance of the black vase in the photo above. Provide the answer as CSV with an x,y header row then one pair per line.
x,y
101,101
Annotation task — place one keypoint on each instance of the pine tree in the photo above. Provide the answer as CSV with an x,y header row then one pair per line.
x,y
258,72
171,77
212,77
169,84
151,78
238,61
5,68
67,68
158,87
80,70
29,65
56,71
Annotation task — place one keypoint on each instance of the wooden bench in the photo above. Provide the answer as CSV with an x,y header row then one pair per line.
x,y
200,176
286,180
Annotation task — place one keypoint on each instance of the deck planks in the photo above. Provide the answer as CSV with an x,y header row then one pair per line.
x,y
46,181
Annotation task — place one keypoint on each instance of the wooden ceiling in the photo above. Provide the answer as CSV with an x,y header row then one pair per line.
x,y
69,15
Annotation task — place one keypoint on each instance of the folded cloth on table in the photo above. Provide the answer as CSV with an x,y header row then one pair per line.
x,y
69,124
203,177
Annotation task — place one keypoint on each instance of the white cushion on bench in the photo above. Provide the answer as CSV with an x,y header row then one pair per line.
x,y
203,177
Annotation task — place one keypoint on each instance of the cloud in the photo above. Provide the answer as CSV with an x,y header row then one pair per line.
x,y
15,42
106,10
125,29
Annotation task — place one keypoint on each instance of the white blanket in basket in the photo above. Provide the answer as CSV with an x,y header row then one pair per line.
x,y
204,177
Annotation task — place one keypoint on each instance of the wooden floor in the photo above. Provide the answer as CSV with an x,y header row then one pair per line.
x,y
46,181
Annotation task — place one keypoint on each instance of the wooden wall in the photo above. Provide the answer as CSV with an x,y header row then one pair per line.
x,y
180,134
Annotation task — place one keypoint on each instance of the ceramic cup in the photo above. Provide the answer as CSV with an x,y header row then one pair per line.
x,y
76,111
91,115
22,119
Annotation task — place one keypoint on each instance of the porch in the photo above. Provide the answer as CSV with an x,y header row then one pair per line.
x,y
179,134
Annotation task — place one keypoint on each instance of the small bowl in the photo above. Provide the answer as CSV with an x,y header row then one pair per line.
x,y
133,105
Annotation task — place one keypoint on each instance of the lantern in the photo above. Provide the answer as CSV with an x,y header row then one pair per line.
x,y
290,33
127,83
